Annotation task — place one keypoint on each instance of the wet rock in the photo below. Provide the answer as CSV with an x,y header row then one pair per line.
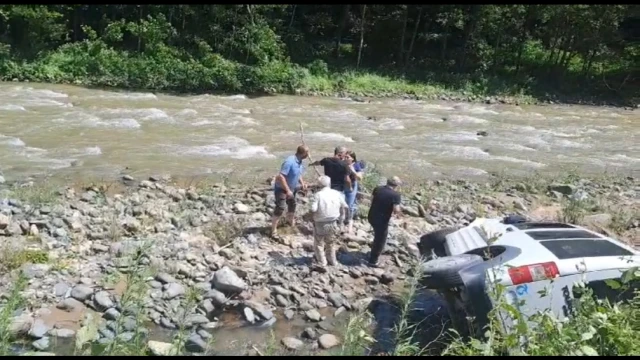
x,y
38,329
310,333
111,314
263,311
327,341
62,333
313,315
159,348
81,292
70,304
337,300
227,281
292,343
249,315
195,343
216,297
289,314
102,300
41,344
20,325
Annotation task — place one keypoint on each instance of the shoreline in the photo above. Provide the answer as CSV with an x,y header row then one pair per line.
x,y
367,96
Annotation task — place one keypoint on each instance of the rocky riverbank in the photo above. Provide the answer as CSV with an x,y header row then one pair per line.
x,y
106,268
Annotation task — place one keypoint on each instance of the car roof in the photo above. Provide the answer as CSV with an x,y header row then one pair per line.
x,y
573,248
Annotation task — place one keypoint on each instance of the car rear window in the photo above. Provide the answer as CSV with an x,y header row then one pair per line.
x,y
571,249
562,234
529,226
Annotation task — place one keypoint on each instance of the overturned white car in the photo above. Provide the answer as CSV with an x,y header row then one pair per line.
x,y
527,258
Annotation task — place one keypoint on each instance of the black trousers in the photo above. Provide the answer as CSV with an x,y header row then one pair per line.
x,y
380,232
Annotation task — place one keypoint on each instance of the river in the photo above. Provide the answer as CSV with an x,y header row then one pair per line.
x,y
75,132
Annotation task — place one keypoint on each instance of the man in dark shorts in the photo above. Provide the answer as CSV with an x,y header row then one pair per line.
x,y
286,186
385,202
337,169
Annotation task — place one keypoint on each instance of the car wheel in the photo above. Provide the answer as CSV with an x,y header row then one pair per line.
x,y
433,242
443,273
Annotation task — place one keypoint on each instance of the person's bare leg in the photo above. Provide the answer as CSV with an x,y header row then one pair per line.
x,y
350,227
291,218
274,224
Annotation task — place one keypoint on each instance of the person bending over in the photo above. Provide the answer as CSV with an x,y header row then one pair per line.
x,y
336,169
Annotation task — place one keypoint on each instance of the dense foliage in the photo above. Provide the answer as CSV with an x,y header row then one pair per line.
x,y
542,50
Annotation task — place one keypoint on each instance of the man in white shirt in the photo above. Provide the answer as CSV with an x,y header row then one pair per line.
x,y
328,207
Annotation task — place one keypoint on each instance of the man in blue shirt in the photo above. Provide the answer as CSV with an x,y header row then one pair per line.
x,y
286,187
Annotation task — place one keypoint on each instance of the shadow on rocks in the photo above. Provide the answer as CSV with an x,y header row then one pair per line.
x,y
352,258
427,324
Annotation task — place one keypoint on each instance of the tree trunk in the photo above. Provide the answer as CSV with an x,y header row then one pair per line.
x,y
293,16
404,32
496,52
364,13
249,10
445,40
529,16
341,25
413,39
590,62
140,24
469,28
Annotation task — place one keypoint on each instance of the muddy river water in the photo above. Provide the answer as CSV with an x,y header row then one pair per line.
x,y
76,132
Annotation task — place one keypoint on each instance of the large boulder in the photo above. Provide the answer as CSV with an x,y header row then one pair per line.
x,y
227,281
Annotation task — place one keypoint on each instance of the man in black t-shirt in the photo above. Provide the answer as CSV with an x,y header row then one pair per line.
x,y
336,169
385,202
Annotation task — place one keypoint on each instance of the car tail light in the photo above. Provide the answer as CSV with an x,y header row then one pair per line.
x,y
534,272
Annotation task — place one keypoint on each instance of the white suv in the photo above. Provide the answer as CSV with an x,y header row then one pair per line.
x,y
528,258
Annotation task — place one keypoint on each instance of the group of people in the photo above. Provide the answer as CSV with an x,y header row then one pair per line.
x,y
335,204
